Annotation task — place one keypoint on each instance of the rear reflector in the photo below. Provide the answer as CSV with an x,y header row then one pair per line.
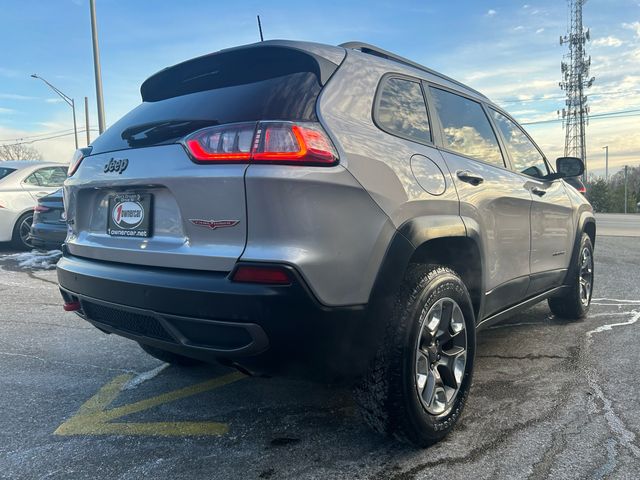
x,y
71,306
41,208
266,275
265,142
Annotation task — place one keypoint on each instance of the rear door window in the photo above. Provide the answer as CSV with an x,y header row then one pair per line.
x,y
402,111
525,157
465,127
47,177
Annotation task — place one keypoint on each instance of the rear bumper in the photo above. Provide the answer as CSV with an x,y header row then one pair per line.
x,y
48,236
265,329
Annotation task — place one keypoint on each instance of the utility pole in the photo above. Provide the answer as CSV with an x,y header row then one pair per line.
x,y
68,100
606,162
575,80
86,119
626,172
96,66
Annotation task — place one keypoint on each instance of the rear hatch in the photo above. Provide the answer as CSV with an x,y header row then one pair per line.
x,y
141,198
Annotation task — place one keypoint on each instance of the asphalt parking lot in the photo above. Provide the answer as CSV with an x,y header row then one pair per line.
x,y
550,399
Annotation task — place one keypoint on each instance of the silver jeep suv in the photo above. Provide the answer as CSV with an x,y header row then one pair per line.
x,y
340,212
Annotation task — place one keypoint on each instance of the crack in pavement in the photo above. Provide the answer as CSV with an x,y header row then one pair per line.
x,y
529,356
542,468
69,364
31,274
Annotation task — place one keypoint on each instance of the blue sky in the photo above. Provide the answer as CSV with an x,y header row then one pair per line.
x,y
507,49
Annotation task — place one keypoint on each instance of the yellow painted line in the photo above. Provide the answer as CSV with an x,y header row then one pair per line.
x,y
93,417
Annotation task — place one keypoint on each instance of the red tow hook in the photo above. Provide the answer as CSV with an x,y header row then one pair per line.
x,y
71,306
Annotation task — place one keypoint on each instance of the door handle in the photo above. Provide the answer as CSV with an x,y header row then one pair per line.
x,y
41,194
538,191
470,177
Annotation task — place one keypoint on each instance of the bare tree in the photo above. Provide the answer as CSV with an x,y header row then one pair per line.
x,y
19,152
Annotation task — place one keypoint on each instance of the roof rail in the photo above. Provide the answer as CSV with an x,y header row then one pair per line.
x,y
379,52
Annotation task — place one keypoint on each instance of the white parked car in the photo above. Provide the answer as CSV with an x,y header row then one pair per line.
x,y
21,184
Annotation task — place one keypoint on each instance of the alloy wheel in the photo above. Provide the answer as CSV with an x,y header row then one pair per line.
x,y
585,278
441,356
24,229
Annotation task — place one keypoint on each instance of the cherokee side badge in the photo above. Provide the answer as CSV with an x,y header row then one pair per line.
x,y
213,224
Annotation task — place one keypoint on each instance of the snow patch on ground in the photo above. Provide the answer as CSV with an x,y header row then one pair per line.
x,y
36,260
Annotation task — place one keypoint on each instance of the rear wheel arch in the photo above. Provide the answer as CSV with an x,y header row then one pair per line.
x,y
586,224
442,240
462,255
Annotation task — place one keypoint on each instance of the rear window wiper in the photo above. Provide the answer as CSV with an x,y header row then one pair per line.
x,y
153,132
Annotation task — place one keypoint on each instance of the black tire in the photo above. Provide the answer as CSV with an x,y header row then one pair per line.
x,y
389,395
18,240
573,305
170,357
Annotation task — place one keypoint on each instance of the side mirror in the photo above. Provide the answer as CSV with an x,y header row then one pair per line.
x,y
569,167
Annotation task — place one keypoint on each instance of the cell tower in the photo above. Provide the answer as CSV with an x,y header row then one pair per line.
x,y
575,80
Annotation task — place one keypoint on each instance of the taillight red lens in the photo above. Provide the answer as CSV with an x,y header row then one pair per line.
x,y
78,156
267,275
41,208
273,142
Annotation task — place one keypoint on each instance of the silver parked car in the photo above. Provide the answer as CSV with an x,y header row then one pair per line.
x,y
302,209
21,184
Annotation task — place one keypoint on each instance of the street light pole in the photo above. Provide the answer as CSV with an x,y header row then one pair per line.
x,y
96,66
86,119
606,162
626,169
69,102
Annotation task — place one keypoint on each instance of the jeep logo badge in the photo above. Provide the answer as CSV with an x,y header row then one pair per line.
x,y
116,165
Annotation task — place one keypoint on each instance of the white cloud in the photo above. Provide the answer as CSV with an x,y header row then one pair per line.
x,y
607,42
491,13
633,26
540,30
518,28
14,96
6,110
54,100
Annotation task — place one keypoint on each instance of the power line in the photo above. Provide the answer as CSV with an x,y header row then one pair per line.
x,y
28,142
561,97
36,135
620,114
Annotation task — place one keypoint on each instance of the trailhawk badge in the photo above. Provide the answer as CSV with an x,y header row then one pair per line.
x,y
213,224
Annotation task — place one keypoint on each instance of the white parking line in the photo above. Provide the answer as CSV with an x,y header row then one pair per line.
x,y
635,316
143,377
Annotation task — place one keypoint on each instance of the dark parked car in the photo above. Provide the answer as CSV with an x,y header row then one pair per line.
x,y
49,227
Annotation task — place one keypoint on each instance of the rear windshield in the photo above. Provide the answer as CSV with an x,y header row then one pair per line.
x,y
4,171
245,84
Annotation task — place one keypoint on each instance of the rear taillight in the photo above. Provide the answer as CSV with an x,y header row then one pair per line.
x,y
41,208
78,156
264,142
